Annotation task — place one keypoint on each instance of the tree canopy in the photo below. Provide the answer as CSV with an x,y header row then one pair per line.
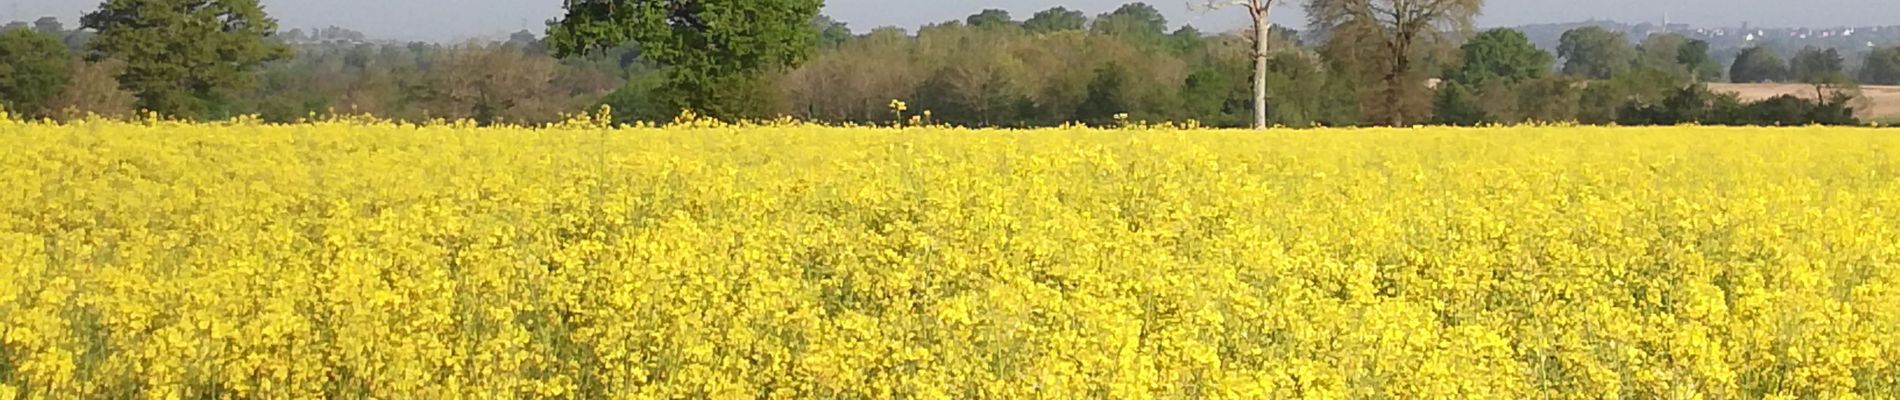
x,y
32,70
1757,65
1387,39
1881,67
1816,65
184,57
1056,19
1594,52
1138,21
1499,54
990,18
715,51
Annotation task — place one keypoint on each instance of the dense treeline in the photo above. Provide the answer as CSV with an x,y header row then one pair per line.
x,y
989,69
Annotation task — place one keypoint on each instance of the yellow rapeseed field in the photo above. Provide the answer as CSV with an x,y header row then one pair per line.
x,y
355,259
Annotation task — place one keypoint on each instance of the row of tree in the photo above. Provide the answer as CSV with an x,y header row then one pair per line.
x,y
1364,62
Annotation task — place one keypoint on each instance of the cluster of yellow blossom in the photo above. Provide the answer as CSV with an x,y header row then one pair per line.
x,y
362,259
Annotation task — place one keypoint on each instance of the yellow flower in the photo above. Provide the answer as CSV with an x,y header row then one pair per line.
x,y
368,258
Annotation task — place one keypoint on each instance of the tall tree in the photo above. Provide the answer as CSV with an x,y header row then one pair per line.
x,y
1106,98
1816,65
1695,56
990,18
1595,53
1756,65
1499,54
716,52
1663,53
1259,12
184,57
50,26
1454,104
831,33
1056,19
33,69
1881,67
1400,33
1138,22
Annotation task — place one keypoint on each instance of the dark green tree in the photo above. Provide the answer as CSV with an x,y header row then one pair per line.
x,y
185,58
1881,67
49,25
33,69
1453,104
1695,55
717,53
1137,22
1595,53
1187,39
1306,93
1662,53
990,18
831,33
1756,65
1815,65
1549,99
1217,95
1106,95
1502,54
1056,19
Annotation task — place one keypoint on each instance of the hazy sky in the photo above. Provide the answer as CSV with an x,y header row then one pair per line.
x,y
456,19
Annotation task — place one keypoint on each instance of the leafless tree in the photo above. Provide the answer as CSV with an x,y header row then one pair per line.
x,y
1399,30
1262,29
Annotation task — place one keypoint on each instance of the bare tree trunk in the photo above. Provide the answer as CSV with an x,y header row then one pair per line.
x,y
1395,95
1262,28
1395,80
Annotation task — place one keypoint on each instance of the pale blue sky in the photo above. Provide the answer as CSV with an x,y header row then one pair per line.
x,y
457,19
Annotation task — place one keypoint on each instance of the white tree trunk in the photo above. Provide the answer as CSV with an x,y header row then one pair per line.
x,y
1263,29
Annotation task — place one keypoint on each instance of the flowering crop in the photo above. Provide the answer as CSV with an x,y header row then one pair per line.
x,y
351,259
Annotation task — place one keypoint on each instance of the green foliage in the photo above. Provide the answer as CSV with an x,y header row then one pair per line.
x,y
634,101
33,69
1881,67
1789,110
1595,53
717,52
990,19
1056,19
1454,104
1106,96
1302,92
1662,53
1218,95
1138,22
1757,65
1392,45
1696,104
1499,54
1603,100
1818,66
1548,99
1687,105
185,58
49,25
1694,55
1186,40
831,33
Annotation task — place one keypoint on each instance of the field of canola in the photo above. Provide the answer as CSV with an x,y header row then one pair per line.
x,y
360,260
